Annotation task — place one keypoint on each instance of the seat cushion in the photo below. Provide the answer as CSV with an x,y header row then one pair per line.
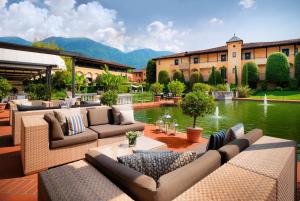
x,y
109,130
84,137
29,107
55,131
98,116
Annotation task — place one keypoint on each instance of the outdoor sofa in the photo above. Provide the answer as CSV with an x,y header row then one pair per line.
x,y
254,167
40,150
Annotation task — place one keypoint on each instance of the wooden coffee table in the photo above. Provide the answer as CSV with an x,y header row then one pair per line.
x,y
122,148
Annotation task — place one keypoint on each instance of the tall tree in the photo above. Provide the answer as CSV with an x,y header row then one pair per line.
x,y
236,75
151,72
297,67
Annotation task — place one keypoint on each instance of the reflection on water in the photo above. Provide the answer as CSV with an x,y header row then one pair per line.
x,y
276,119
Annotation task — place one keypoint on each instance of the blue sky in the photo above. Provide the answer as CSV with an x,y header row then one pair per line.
x,y
174,25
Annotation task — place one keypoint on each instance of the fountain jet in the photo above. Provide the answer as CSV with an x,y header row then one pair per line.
x,y
217,113
265,100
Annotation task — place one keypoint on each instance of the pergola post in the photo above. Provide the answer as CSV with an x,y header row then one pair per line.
x,y
48,81
73,77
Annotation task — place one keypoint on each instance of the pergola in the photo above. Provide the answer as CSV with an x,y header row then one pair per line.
x,y
19,62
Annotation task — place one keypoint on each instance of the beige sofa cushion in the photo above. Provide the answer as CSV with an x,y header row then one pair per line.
x,y
109,130
98,116
116,112
126,117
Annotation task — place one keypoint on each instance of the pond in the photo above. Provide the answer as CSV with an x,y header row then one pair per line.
x,y
276,119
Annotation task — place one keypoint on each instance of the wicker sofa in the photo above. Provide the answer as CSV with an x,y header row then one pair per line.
x,y
255,167
39,152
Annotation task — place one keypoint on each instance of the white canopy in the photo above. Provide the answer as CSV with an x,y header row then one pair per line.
x,y
21,56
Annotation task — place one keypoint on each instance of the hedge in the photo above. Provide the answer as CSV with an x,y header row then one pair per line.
x,y
278,69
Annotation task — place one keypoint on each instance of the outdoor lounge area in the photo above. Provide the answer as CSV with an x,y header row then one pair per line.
x,y
257,167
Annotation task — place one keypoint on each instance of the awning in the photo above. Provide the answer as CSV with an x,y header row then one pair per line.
x,y
34,58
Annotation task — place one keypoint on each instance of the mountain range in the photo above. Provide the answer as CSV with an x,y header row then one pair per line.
x,y
137,58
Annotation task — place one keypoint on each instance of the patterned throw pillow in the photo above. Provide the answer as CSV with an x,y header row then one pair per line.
x,y
157,164
216,141
235,132
75,124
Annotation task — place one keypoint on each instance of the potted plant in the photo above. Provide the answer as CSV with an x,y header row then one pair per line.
x,y
156,89
176,88
109,98
196,104
132,136
5,87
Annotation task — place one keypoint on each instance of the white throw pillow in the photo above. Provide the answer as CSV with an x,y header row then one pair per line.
x,y
126,117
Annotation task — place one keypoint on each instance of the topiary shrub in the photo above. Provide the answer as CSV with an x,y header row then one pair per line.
x,y
201,87
236,76
214,77
278,69
163,77
176,87
264,85
197,104
109,98
195,78
201,79
297,67
250,74
5,87
178,75
223,71
156,88
151,71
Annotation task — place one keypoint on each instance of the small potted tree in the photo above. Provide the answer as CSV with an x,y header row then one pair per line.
x,y
176,88
196,104
156,89
5,87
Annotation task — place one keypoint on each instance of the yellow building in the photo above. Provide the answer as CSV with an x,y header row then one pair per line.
x,y
91,68
234,53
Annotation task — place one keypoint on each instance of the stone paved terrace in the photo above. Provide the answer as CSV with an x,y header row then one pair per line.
x,y
14,186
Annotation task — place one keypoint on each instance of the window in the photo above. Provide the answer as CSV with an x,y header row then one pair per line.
x,y
176,62
196,60
233,45
233,54
286,51
223,57
247,55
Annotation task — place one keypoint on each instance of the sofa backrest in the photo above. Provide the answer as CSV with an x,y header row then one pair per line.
x,y
233,148
142,187
132,182
17,116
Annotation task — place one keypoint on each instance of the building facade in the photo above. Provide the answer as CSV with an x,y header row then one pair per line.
x,y
139,75
234,54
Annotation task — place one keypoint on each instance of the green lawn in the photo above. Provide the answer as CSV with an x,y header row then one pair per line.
x,y
279,95
142,97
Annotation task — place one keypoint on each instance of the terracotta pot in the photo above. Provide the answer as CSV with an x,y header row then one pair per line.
x,y
157,98
193,134
2,107
176,99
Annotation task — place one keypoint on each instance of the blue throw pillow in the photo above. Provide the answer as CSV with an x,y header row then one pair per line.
x,y
216,140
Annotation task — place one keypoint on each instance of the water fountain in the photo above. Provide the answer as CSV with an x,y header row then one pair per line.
x,y
265,100
217,115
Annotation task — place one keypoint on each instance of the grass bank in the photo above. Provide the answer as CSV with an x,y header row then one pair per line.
x,y
277,95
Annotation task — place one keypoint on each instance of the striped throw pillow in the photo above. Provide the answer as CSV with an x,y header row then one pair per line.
x,y
75,124
216,140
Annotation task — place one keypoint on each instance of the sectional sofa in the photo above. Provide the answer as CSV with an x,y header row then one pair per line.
x,y
40,149
253,167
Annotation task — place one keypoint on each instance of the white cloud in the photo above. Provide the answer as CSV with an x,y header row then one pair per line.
x,y
216,21
159,36
2,3
61,18
247,3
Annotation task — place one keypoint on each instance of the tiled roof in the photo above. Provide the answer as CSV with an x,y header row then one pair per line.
x,y
224,48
